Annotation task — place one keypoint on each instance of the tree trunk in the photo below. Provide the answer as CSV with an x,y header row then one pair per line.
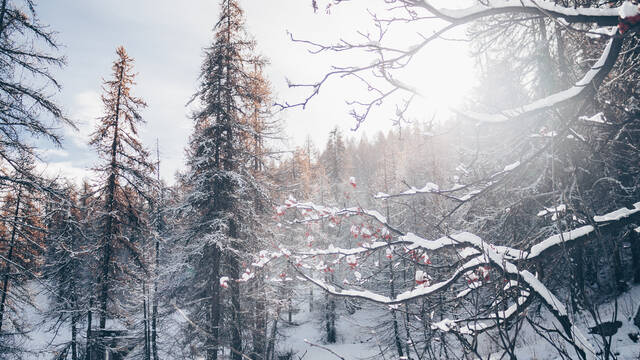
x,y
154,311
618,272
272,338
87,354
159,229
3,12
214,306
635,254
74,331
7,268
236,327
145,314
259,326
394,319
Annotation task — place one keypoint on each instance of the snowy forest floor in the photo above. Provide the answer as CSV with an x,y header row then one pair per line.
x,y
357,338
356,333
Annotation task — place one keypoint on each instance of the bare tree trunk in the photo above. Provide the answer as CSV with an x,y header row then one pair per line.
x,y
236,329
74,331
159,229
214,307
74,317
7,268
147,341
272,338
617,268
3,12
87,354
154,311
635,253
330,315
259,326
396,331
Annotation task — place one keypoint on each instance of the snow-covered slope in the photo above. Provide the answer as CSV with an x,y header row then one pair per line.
x,y
356,337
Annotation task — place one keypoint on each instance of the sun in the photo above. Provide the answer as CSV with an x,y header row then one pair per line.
x,y
443,76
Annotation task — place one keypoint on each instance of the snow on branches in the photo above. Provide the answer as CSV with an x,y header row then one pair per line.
x,y
479,262
590,81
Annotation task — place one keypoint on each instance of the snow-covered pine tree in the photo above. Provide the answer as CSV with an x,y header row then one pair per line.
x,y
124,173
221,190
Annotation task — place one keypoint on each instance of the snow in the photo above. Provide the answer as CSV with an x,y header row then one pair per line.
x,y
464,292
430,187
535,5
357,336
597,118
627,9
597,33
468,251
469,195
511,166
553,210
445,325
557,239
618,214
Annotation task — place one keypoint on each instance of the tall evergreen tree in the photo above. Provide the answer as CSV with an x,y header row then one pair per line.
x,y
221,190
124,174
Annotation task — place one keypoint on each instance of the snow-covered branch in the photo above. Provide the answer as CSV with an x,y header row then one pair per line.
x,y
589,82
605,16
477,258
431,188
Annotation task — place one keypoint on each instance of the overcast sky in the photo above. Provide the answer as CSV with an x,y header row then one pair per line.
x,y
167,38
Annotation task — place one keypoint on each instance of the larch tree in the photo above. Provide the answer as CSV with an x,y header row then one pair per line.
x,y
124,174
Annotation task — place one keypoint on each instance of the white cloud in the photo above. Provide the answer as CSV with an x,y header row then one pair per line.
x,y
64,169
86,108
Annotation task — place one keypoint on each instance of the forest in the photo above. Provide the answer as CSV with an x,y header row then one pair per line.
x,y
507,229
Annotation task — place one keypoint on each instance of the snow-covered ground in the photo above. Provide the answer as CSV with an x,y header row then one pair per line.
x,y
356,337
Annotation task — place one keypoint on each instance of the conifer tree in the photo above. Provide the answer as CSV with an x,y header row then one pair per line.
x,y
124,174
221,190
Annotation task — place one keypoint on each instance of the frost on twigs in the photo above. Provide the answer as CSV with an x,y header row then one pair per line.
x,y
480,265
